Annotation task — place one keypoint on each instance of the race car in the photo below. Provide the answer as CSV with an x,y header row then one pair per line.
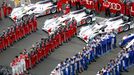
x,y
126,39
116,24
39,9
87,33
119,24
82,17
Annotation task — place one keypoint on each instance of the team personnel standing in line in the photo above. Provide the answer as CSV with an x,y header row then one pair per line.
x,y
4,7
45,47
121,63
79,62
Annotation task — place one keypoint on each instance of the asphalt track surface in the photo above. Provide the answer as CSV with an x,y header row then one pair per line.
x,y
60,54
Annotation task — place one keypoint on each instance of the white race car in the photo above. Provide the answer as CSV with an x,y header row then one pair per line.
x,y
82,16
88,32
39,9
117,24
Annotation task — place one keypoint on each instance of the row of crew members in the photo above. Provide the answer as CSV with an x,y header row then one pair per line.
x,y
29,58
122,62
79,62
17,32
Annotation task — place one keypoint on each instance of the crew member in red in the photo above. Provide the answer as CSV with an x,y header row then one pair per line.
x,y
58,37
16,32
12,36
27,59
56,40
32,57
46,47
73,3
22,30
39,51
78,4
50,43
9,9
30,25
59,5
1,49
19,30
28,28
5,39
43,48
64,34
2,42
0,14
34,23
4,7
61,33
44,44
74,23
25,28
67,9
107,8
9,36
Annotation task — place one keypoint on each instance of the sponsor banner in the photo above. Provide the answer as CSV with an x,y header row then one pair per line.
x,y
115,6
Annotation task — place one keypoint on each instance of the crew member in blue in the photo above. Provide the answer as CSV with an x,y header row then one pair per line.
x,y
106,37
118,66
67,68
85,61
63,68
104,70
104,43
113,39
92,54
72,66
109,41
124,64
103,46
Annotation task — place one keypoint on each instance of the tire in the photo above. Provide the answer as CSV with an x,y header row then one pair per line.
x,y
53,10
126,27
130,19
92,12
88,20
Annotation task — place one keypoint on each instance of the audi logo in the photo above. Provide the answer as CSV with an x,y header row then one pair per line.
x,y
114,6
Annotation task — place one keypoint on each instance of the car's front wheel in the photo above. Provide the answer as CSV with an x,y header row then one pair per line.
x,y
126,27
88,20
53,10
